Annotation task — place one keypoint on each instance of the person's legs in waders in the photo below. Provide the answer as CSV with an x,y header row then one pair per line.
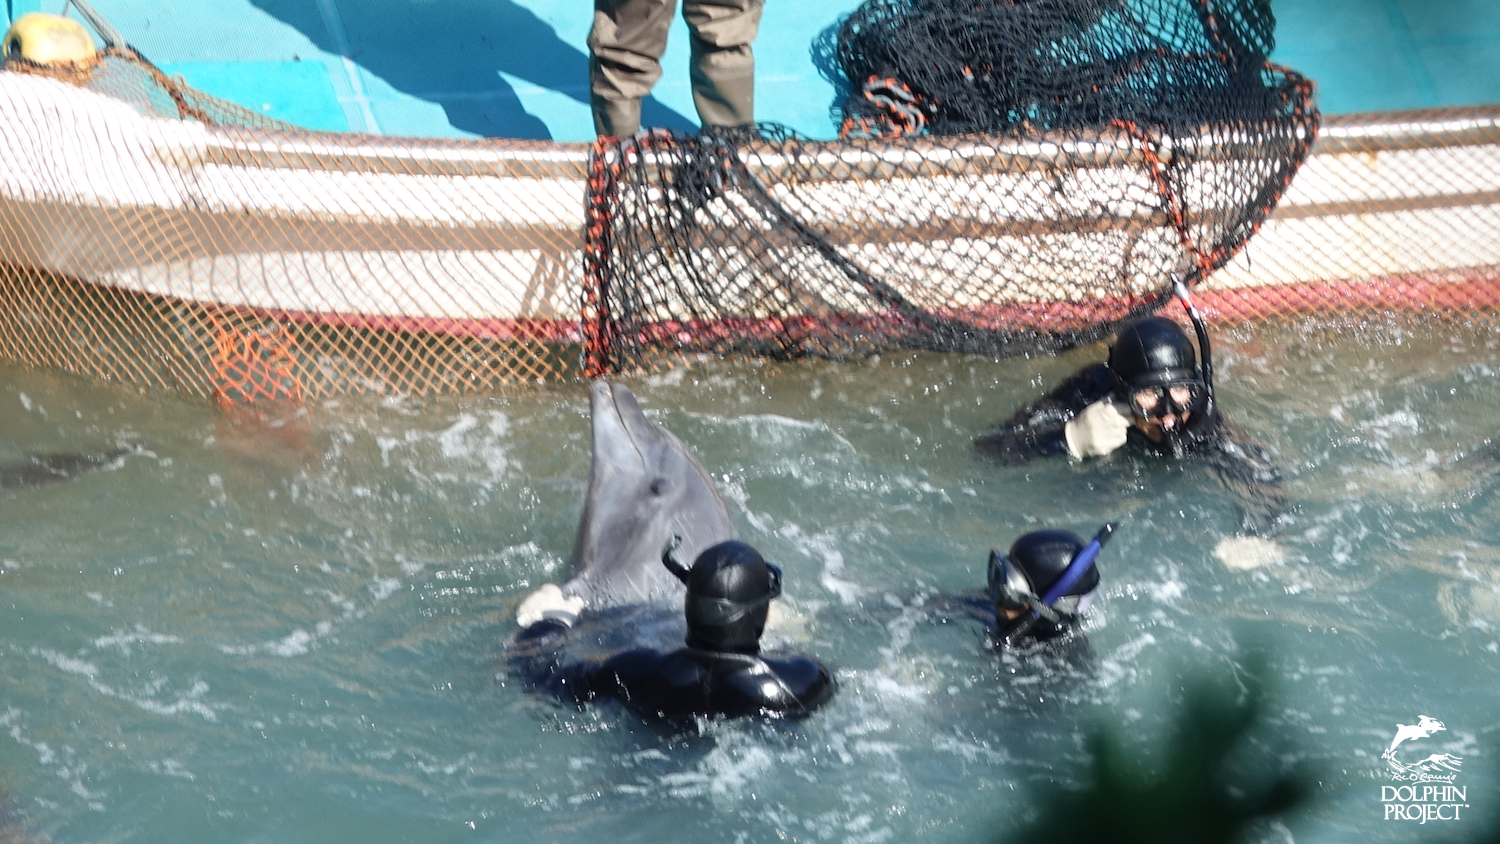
x,y
625,50
723,63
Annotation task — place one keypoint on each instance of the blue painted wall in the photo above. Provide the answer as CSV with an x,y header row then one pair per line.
x,y
519,67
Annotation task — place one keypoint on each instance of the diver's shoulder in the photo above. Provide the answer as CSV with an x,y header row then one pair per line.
x,y
1093,382
799,670
1088,385
811,681
1095,373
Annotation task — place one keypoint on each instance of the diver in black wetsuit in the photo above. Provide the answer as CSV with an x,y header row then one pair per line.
x,y
1039,590
1044,585
1153,396
720,673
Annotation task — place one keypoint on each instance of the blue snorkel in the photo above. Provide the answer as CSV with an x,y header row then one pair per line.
x,y
1080,565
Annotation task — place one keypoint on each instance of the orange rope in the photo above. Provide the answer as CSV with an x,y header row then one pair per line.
x,y
899,112
604,167
1175,215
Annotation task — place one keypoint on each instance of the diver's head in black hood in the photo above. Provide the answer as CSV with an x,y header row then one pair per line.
x,y
729,592
1019,580
1156,373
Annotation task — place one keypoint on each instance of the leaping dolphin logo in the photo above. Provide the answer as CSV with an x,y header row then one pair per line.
x,y
1430,769
1425,726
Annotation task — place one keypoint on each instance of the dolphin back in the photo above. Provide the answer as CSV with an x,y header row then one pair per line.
x,y
644,487
44,469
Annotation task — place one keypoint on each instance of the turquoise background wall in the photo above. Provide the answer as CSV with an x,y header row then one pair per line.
x,y
518,67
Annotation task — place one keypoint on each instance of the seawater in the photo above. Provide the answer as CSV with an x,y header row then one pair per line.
x,y
290,629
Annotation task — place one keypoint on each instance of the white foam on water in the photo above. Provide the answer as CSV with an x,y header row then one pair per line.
x,y
1168,590
62,662
299,642
796,448
190,702
486,446
171,768
670,378
11,721
825,548
1122,663
1471,604
728,769
1384,427
970,749
786,625
125,640
775,429
384,587
387,446
471,439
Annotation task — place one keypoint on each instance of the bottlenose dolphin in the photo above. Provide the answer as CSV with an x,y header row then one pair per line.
x,y
644,487
42,469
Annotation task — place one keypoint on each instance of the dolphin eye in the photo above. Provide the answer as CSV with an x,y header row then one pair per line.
x,y
658,485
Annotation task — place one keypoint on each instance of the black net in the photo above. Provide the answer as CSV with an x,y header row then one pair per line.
x,y
1015,176
1039,65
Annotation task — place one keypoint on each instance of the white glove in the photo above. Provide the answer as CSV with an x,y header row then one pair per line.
x,y
1098,430
549,603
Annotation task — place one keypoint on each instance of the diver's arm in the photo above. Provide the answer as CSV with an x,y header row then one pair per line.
x,y
1039,429
535,654
546,617
969,605
1250,472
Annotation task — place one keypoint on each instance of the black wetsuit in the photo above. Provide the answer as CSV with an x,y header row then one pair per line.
x,y
1243,465
679,684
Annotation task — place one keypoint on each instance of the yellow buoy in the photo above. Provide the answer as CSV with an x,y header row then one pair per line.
x,y
48,40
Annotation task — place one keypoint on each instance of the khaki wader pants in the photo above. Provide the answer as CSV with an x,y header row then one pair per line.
x,y
627,43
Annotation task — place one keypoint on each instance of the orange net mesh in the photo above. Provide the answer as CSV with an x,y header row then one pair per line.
x,y
1392,212
153,235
